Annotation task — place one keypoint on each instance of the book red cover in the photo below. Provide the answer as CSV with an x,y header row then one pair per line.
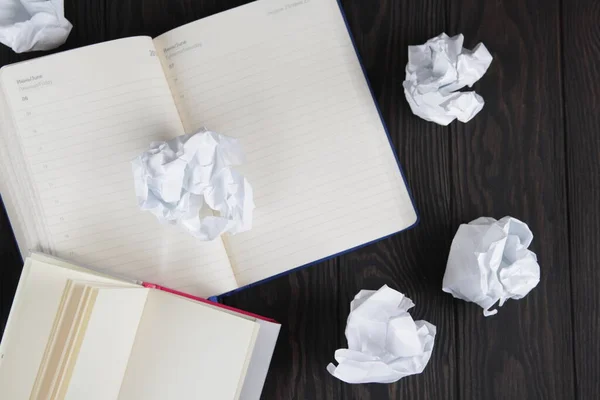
x,y
200,299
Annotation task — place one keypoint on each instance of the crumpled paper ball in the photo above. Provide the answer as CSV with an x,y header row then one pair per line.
x,y
28,25
188,181
384,342
436,71
489,263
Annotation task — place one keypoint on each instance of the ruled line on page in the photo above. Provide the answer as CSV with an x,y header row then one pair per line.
x,y
81,231
54,102
96,239
271,40
286,129
335,232
143,235
178,266
180,282
232,113
191,273
187,287
63,128
292,132
212,264
211,259
59,206
247,250
82,163
300,255
144,244
190,100
128,149
174,272
353,183
69,197
309,205
304,200
312,162
260,86
32,117
71,180
242,74
252,128
118,139
110,206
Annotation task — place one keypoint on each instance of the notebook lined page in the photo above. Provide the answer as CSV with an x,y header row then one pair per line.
x,y
81,117
283,77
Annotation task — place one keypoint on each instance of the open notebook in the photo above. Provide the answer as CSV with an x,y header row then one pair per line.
x,y
281,76
76,334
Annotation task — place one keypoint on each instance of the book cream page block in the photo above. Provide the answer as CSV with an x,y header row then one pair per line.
x,y
78,119
91,351
188,350
31,323
103,355
283,77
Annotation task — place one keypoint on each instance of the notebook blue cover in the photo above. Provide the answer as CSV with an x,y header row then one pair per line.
x,y
217,298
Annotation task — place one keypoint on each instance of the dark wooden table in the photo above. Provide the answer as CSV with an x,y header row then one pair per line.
x,y
533,153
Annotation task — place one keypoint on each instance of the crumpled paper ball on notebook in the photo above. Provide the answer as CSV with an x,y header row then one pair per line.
x,y
384,342
436,71
27,25
188,181
489,263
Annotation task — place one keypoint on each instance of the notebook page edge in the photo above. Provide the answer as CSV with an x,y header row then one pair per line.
x,y
10,188
20,228
249,354
261,360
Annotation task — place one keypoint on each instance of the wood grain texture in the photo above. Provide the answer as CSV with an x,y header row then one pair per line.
x,y
413,261
306,304
510,160
581,54
136,17
10,268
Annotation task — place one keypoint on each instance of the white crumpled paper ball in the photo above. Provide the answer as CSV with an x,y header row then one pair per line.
x,y
27,25
384,342
188,181
435,73
489,262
